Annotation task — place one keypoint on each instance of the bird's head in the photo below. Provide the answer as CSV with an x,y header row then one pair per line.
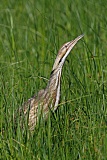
x,y
64,52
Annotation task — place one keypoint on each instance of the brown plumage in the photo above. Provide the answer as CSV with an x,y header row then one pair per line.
x,y
48,99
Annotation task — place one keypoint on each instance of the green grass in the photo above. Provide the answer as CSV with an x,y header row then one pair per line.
x,y
31,32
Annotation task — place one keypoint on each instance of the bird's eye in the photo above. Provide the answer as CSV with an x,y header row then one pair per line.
x,y
65,46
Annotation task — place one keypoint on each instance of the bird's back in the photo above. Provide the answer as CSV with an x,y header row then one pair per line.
x,y
38,107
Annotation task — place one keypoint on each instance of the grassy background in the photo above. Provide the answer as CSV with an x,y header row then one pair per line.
x,y
31,32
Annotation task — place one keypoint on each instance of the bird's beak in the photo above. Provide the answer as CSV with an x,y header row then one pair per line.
x,y
72,43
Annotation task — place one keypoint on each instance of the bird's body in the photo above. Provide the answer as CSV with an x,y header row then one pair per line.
x,y
48,99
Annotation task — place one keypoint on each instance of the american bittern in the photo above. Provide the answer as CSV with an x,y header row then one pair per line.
x,y
48,98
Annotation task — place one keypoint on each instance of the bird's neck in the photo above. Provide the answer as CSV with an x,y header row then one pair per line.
x,y
54,81
54,85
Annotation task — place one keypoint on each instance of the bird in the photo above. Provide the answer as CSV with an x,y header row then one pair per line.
x,y
47,99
